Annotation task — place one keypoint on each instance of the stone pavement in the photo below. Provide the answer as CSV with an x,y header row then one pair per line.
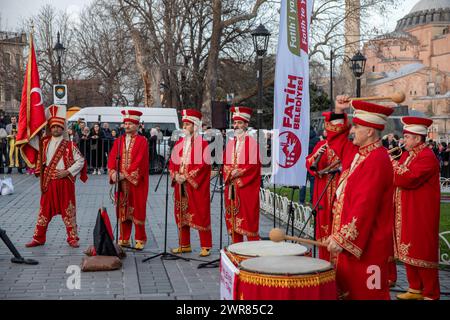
x,y
154,279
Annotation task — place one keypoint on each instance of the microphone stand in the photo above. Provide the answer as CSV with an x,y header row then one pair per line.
x,y
216,263
117,186
291,214
165,255
314,210
17,257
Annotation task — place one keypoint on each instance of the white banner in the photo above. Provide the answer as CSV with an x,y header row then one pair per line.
x,y
291,101
228,278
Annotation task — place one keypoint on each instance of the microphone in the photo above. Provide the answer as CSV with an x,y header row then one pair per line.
x,y
314,165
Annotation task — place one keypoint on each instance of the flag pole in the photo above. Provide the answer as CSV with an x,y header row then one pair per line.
x,y
29,67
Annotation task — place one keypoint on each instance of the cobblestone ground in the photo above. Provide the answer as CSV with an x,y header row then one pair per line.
x,y
154,279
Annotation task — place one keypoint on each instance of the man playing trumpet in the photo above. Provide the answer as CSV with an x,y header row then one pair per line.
x,y
361,234
416,177
323,159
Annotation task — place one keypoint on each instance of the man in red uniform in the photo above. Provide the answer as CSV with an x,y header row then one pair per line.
x,y
362,235
242,177
417,210
133,177
328,161
59,163
190,170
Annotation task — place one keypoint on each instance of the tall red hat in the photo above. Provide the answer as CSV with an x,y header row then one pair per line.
x,y
56,115
242,113
133,116
191,116
370,115
416,125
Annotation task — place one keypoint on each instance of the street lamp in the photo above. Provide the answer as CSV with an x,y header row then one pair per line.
x,y
358,65
59,49
260,42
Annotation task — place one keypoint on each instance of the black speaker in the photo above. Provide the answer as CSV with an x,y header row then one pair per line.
x,y
219,112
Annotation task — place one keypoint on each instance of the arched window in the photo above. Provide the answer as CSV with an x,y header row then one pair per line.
x,y
6,59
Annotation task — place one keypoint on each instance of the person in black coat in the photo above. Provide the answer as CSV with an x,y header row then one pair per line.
x,y
444,158
96,138
84,144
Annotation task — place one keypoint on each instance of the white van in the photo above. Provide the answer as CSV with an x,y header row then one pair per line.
x,y
165,118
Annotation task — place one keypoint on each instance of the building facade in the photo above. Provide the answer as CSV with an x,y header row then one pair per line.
x,y
11,70
415,59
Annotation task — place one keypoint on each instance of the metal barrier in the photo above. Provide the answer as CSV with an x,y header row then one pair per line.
x,y
444,255
445,184
301,213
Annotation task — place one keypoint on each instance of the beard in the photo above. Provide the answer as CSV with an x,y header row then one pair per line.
x,y
239,131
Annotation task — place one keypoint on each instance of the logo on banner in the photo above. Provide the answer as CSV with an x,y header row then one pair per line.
x,y
297,26
60,94
291,147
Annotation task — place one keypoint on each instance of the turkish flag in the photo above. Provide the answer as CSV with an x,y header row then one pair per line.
x,y
31,112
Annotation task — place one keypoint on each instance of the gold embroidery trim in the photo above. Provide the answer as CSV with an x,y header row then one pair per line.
x,y
348,245
297,281
336,127
70,220
189,178
401,250
349,231
369,148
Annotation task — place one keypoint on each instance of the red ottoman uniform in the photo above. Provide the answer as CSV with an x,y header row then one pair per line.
x,y
417,211
242,192
190,157
58,194
134,166
363,210
324,217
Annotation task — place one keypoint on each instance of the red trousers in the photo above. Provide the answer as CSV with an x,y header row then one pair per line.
x,y
58,199
205,237
139,229
237,237
353,277
424,280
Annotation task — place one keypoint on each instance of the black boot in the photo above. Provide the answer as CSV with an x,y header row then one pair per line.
x,y
9,170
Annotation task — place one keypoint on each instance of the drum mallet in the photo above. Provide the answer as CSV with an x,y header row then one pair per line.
x,y
277,235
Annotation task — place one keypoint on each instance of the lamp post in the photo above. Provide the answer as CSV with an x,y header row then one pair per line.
x,y
358,65
260,42
331,80
59,49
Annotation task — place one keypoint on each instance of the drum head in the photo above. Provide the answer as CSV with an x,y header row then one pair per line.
x,y
266,248
286,265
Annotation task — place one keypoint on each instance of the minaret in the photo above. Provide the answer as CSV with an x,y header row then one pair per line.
x,y
352,36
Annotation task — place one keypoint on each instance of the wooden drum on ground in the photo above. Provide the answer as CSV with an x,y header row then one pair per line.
x,y
241,251
286,278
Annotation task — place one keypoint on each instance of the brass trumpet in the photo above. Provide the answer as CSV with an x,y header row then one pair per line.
x,y
396,149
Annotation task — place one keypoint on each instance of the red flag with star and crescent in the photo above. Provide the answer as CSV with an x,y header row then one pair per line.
x,y
31,113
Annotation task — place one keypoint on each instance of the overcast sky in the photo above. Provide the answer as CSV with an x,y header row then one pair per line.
x,y
13,11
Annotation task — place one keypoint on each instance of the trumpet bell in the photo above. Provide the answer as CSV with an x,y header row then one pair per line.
x,y
395,153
